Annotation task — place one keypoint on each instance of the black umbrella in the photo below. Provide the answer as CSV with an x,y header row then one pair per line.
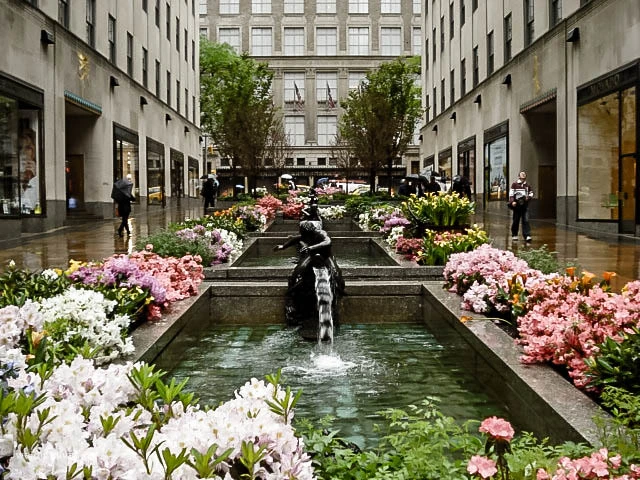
x,y
121,190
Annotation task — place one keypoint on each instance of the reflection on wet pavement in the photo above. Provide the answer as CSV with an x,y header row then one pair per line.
x,y
593,252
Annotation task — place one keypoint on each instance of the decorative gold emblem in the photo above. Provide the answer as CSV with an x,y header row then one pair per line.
x,y
536,73
83,66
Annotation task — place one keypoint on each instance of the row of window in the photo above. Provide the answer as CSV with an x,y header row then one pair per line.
x,y
326,41
326,87
258,7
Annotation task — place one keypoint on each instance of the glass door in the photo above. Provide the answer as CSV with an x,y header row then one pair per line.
x,y
628,170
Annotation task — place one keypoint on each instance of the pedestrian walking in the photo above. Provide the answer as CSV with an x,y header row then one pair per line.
x,y
209,192
520,195
122,194
433,186
461,186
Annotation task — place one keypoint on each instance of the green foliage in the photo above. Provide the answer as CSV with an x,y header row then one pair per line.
x,y
438,246
443,210
541,259
620,433
168,244
380,117
17,285
422,443
358,204
617,363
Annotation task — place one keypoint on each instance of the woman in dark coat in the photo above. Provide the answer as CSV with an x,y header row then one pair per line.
x,y
124,210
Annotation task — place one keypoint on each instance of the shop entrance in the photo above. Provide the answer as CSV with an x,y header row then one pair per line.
x,y
74,180
628,197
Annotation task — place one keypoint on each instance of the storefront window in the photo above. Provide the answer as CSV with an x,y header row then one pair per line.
x,y
194,181
126,158
495,158
444,165
177,174
155,173
598,154
467,160
20,162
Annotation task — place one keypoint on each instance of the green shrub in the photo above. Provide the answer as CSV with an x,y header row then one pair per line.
x,y
16,286
541,259
618,363
168,244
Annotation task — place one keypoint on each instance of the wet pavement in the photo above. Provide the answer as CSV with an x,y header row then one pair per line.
x,y
590,251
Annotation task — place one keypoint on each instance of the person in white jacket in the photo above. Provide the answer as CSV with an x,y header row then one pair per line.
x,y
520,194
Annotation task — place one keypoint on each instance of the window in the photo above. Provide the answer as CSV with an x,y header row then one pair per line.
x,y
495,164
490,55
326,6
426,102
417,41
476,72
435,102
358,6
327,129
129,54
356,79
157,13
177,34
168,88
555,12
417,7
261,41
260,6
186,103
202,8
452,22
157,78
230,36
112,39
294,6
434,44
144,6
322,161
508,33
390,6
327,89
442,33
186,46
229,7
193,108
178,91
326,41
155,172
91,23
300,162
294,41
193,54
442,97
145,67
294,128
463,77
168,23
358,41
391,41
63,13
294,90
125,157
452,86
528,22
204,32
474,5
463,13
426,52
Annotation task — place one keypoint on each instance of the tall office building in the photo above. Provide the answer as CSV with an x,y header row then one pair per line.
x,y
90,92
545,86
319,50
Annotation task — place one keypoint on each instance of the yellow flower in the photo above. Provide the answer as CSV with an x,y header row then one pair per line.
x,y
587,277
571,271
607,276
36,337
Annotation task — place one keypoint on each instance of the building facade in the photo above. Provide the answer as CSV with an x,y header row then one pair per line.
x,y
319,50
545,86
92,91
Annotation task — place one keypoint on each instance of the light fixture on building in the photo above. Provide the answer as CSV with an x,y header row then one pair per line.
x,y
435,128
420,138
113,82
47,38
453,116
186,129
478,99
167,117
507,80
573,35
143,101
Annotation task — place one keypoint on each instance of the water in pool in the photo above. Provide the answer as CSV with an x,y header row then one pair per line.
x,y
367,369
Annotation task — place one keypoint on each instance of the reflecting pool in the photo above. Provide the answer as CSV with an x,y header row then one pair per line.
x,y
368,368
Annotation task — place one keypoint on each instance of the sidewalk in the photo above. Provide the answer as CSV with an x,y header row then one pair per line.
x,y
592,251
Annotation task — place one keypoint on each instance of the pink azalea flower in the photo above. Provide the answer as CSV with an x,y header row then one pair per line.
x,y
497,428
482,466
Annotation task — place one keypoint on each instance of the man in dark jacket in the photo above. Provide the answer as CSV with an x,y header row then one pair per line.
x,y
520,194
209,193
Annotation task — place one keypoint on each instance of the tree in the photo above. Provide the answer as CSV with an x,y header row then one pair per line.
x,y
381,116
345,159
278,147
237,106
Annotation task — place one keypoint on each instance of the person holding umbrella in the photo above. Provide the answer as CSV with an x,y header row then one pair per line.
x,y
121,193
